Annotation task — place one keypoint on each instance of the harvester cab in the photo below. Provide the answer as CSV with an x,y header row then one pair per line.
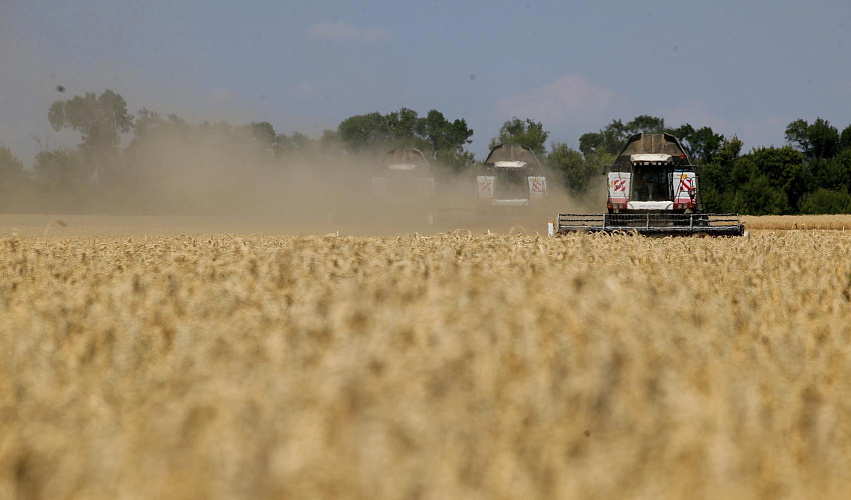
x,y
403,177
652,182
511,177
652,189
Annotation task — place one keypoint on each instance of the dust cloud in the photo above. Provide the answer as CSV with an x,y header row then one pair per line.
x,y
196,178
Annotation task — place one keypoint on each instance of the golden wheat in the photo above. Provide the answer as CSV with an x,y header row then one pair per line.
x,y
805,222
447,366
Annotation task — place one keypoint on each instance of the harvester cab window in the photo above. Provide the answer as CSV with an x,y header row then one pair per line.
x,y
650,183
510,184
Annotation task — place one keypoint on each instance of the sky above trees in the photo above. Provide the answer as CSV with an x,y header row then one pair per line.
x,y
745,69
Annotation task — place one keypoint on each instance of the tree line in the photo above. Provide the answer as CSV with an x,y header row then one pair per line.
x,y
120,154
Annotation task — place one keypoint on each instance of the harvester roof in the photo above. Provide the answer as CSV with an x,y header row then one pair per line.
x,y
650,158
406,159
652,144
511,155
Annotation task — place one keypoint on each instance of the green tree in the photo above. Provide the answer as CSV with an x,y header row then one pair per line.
x,y
717,183
443,135
264,136
611,139
785,169
362,132
264,133
576,171
758,197
455,159
145,122
300,140
765,181
374,131
526,132
150,122
824,139
61,171
15,183
833,174
101,120
826,201
404,129
845,139
11,168
819,140
701,145
646,124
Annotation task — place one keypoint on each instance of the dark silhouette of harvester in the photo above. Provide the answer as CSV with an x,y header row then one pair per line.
x,y
404,176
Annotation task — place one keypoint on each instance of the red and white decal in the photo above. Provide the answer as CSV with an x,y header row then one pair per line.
x,y
685,189
484,185
618,189
537,187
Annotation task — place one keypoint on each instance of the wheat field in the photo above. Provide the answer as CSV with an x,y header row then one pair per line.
x,y
799,222
455,365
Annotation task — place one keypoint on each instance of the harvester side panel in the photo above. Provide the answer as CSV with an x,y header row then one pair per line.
x,y
484,186
619,186
537,188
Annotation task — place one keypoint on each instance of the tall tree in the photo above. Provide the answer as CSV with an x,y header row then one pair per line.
x,y
845,139
824,139
701,145
61,171
646,124
784,170
576,170
832,174
611,139
526,132
819,140
264,133
361,132
718,185
101,120
443,135
11,168
14,183
826,201
404,128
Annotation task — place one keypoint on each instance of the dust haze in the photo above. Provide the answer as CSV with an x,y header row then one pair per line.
x,y
190,178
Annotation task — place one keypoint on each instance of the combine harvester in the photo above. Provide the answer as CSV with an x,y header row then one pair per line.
x,y
510,190
652,190
511,182
403,186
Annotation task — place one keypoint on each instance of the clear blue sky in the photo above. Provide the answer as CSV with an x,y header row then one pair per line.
x,y
745,68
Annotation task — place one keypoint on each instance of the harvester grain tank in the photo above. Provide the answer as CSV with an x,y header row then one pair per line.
x,y
653,189
510,178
